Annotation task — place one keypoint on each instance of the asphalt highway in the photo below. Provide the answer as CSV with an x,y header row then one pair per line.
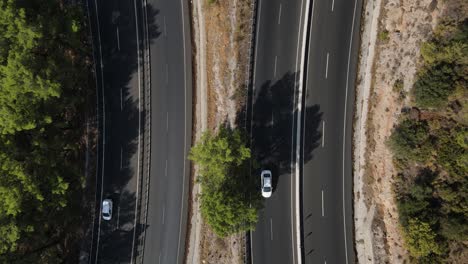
x,y
171,119
274,98
143,68
119,80
327,169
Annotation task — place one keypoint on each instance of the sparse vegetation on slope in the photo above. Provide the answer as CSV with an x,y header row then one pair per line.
x,y
43,77
430,147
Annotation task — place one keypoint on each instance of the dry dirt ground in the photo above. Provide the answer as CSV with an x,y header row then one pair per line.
x,y
392,32
222,38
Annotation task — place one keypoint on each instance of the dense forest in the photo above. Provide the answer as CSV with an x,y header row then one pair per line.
x,y
43,82
430,147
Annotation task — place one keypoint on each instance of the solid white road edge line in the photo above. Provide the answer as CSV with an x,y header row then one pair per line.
x,y
259,8
279,15
307,81
298,133
185,127
103,128
145,37
344,130
139,132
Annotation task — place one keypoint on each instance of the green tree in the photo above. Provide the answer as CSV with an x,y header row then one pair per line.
x,y
226,201
43,80
409,141
217,154
226,212
434,85
420,239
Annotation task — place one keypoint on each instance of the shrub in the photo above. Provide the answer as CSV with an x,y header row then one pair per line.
x,y
433,86
384,35
421,239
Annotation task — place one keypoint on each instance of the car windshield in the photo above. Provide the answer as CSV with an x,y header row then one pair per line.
x,y
106,214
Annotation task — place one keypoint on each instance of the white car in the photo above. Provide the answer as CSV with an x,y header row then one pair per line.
x,y
267,183
107,209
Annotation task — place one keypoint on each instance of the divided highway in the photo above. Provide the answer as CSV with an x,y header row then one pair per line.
x,y
327,95
143,68
326,159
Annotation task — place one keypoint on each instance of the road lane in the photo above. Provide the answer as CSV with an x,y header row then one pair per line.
x,y
171,105
116,41
275,83
327,178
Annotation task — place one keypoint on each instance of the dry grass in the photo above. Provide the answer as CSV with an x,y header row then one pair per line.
x,y
227,36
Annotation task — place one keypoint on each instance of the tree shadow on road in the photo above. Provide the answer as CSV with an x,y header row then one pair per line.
x,y
123,98
274,127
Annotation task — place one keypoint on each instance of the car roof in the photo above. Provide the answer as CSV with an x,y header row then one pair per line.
x,y
267,182
106,206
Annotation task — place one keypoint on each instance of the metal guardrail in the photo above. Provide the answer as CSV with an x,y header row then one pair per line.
x,y
146,149
251,54
248,86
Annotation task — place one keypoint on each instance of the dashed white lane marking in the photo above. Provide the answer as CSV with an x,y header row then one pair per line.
x,y
167,121
121,157
118,39
326,67
323,207
274,70
165,169
323,134
121,99
279,15
118,216
165,28
163,214
271,228
167,73
333,5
